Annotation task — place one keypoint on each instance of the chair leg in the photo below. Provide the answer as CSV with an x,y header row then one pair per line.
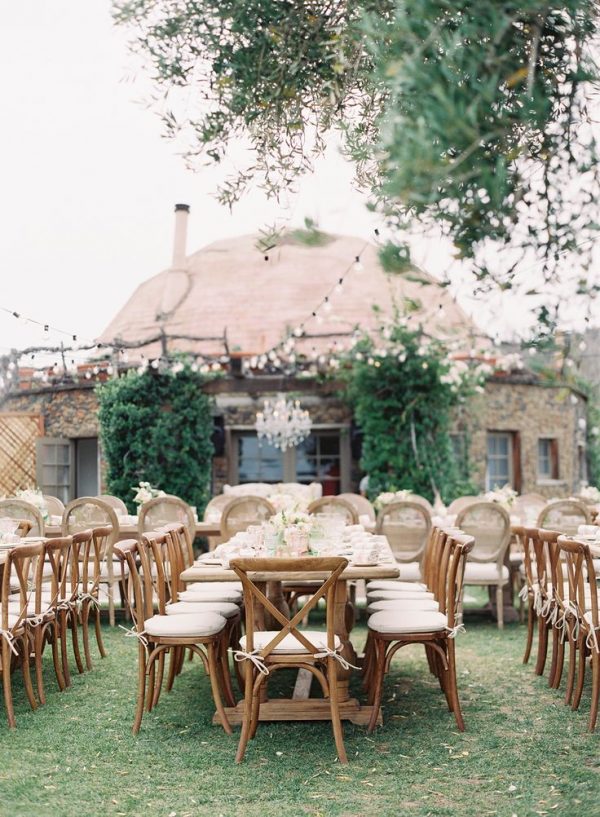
x,y
27,671
85,633
172,668
336,722
581,673
214,683
75,639
98,628
6,683
62,634
560,659
247,718
500,606
54,639
139,709
160,672
451,657
542,645
379,659
595,690
530,628
37,655
151,673
571,669
225,673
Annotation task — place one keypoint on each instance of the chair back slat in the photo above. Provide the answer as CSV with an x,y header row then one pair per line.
x,y
328,569
23,569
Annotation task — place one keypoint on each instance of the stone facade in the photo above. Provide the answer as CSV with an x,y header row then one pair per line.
x,y
524,407
518,404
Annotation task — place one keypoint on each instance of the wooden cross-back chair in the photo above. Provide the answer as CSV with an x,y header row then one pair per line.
x,y
22,573
18,509
159,634
391,630
89,547
584,625
61,599
264,652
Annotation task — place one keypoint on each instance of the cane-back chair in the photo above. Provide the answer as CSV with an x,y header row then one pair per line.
x,y
244,511
264,652
18,509
92,512
165,510
406,524
564,516
337,506
116,503
361,504
489,524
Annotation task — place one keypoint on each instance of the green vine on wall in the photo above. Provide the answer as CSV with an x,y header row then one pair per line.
x,y
403,391
157,428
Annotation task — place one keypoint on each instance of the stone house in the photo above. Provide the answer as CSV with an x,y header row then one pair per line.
x,y
229,306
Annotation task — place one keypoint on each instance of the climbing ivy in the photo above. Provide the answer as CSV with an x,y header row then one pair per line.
x,y
157,428
403,391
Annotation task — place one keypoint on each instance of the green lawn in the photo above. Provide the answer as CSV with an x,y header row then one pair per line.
x,y
524,752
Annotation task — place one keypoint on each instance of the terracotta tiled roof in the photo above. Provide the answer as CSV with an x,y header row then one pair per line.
x,y
229,287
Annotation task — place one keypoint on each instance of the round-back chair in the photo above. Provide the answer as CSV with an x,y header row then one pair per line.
x,y
215,507
116,503
164,510
421,500
564,516
361,504
489,524
244,511
461,502
406,524
335,505
528,507
18,509
54,505
90,512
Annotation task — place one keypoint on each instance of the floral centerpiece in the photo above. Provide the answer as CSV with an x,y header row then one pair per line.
x,y
390,496
590,494
35,497
289,503
288,519
504,496
144,492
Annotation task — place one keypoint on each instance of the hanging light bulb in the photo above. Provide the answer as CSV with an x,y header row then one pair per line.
x,y
358,266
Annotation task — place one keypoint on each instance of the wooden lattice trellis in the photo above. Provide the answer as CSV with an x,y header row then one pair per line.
x,y
18,433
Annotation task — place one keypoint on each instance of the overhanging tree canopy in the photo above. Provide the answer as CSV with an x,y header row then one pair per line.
x,y
469,115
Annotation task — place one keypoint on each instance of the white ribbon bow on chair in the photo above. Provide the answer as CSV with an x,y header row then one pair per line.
x,y
133,633
240,655
8,636
326,651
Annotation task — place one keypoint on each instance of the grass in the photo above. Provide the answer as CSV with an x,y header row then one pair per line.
x,y
524,753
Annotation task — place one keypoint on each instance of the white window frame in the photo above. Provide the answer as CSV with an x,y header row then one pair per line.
x,y
508,435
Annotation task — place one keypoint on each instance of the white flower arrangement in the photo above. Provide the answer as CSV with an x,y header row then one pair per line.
x,y
297,519
144,492
35,497
391,496
288,503
590,494
503,496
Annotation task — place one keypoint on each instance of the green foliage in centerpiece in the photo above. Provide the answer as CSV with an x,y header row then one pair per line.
x,y
157,428
403,390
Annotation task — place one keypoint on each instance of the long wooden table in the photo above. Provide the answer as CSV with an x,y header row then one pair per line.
x,y
302,707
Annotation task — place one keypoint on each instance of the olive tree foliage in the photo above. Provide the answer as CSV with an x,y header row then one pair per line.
x,y
468,116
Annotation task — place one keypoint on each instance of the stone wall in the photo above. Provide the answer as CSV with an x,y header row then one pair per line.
x,y
531,411
514,404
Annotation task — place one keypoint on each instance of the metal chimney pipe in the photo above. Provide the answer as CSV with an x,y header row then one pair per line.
x,y
182,212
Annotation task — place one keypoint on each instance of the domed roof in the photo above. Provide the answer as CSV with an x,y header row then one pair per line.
x,y
231,289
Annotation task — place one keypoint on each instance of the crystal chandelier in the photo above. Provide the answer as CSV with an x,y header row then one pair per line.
x,y
283,423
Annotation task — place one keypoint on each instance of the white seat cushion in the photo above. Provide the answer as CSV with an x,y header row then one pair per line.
x,y
484,573
395,584
376,595
225,585
184,626
212,592
224,608
389,621
290,643
15,608
410,571
428,605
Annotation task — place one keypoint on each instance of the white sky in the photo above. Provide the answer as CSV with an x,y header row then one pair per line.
x,y
89,184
